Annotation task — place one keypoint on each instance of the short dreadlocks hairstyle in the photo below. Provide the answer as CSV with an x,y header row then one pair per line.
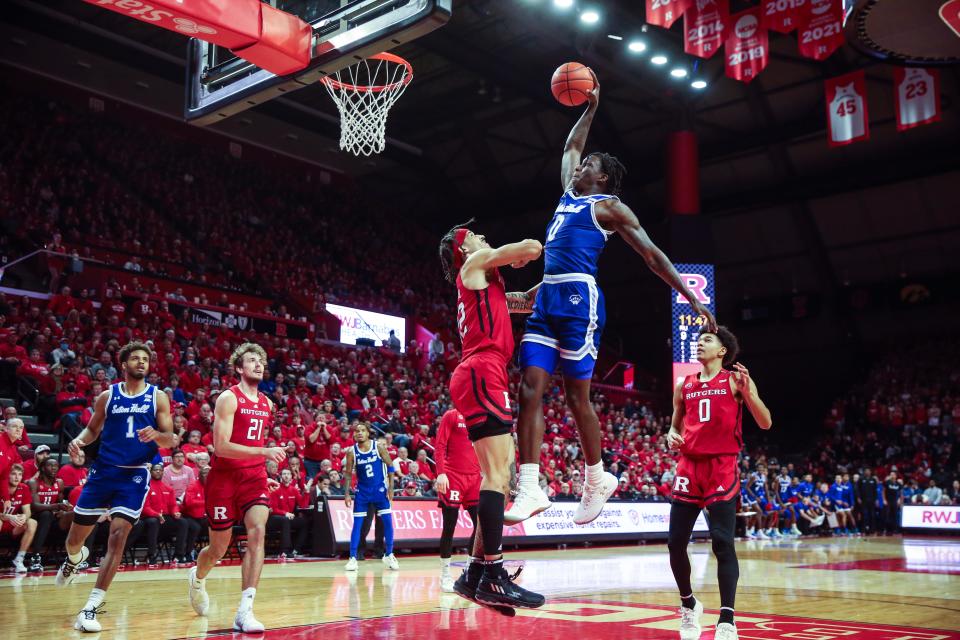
x,y
447,259
614,169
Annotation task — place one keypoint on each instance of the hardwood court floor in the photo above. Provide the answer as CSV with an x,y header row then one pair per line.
x,y
811,589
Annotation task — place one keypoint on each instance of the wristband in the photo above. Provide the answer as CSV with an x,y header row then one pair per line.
x,y
392,469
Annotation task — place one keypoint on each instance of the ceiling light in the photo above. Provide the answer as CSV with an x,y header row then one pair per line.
x,y
699,84
637,46
563,4
613,37
659,59
590,16
679,72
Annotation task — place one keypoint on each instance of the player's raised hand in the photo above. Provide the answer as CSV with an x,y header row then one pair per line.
x,y
741,378
674,439
277,454
441,484
272,485
710,322
75,447
148,434
593,96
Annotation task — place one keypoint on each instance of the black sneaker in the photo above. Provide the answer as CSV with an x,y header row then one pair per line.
x,y
36,563
501,590
466,587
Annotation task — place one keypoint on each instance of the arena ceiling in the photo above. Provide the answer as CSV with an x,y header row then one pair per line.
x,y
478,133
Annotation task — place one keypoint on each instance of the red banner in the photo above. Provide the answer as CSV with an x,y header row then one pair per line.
x,y
782,16
950,14
847,119
703,27
917,96
747,47
820,31
663,13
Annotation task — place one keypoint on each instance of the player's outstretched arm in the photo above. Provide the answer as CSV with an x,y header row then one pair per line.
x,y
474,270
619,217
577,140
675,434
91,432
746,388
223,430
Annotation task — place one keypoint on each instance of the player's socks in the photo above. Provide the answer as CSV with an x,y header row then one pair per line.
x,y
246,600
529,475
95,599
490,515
688,602
75,558
20,555
593,473
726,615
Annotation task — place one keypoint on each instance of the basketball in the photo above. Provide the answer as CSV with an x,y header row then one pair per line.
x,y
570,83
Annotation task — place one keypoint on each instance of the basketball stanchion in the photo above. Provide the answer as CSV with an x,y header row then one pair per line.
x,y
364,93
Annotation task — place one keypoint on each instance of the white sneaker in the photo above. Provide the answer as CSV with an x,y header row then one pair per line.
x,y
68,571
246,623
594,497
446,580
391,562
351,565
690,628
795,531
199,599
18,566
762,536
725,631
529,502
87,620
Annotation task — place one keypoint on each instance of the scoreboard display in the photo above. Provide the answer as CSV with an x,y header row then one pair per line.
x,y
686,324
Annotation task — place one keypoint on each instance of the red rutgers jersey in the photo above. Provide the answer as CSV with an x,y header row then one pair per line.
x,y
19,497
483,319
252,421
711,417
454,452
48,494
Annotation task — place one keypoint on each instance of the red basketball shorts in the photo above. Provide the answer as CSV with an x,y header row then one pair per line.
x,y
464,490
481,392
231,492
703,481
8,528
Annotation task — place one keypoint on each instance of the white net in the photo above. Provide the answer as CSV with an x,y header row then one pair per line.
x,y
364,93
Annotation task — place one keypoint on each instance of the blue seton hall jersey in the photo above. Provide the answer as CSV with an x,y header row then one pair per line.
x,y
784,483
371,471
125,415
574,237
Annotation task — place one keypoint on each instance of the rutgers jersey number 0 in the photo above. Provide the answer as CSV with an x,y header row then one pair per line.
x,y
703,409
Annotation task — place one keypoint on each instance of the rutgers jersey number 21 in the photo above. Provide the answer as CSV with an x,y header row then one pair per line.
x,y
256,429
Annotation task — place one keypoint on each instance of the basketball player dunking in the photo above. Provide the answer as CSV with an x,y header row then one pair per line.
x,y
236,489
457,484
481,393
706,427
568,315
132,420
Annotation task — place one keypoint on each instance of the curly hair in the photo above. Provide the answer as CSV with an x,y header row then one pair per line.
x,y
447,258
727,339
614,169
130,347
236,360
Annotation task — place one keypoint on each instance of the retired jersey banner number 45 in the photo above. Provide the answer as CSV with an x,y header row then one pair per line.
x,y
847,120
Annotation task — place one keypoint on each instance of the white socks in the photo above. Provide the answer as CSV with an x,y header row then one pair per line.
x,y
594,472
529,475
445,563
96,599
74,558
246,599
20,555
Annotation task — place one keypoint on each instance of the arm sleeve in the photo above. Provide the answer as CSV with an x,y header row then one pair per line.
x,y
440,449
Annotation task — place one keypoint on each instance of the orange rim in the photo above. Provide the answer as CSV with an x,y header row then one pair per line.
x,y
376,88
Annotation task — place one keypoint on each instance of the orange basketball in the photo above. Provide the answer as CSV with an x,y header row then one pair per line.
x,y
570,83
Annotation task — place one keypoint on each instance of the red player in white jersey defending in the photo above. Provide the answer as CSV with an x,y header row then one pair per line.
x,y
481,393
236,488
706,427
457,485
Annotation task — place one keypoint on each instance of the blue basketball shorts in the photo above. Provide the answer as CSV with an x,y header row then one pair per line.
x,y
565,326
376,497
114,490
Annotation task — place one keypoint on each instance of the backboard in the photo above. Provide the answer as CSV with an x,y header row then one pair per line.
x,y
219,84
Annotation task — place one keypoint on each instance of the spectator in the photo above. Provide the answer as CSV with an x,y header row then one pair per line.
x,y
193,513
932,494
105,364
178,476
32,467
63,354
283,515
16,520
75,473
161,517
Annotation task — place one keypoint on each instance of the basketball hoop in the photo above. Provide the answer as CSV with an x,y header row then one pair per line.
x,y
364,93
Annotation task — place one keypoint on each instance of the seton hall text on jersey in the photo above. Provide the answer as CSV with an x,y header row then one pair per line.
x,y
571,208
134,408
708,392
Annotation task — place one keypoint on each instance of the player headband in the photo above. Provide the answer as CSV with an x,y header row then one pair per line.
x,y
458,237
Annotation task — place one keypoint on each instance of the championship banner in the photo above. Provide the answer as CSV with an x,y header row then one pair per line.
x,y
747,48
946,518
685,329
421,520
663,13
703,27
917,96
782,16
820,31
847,120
